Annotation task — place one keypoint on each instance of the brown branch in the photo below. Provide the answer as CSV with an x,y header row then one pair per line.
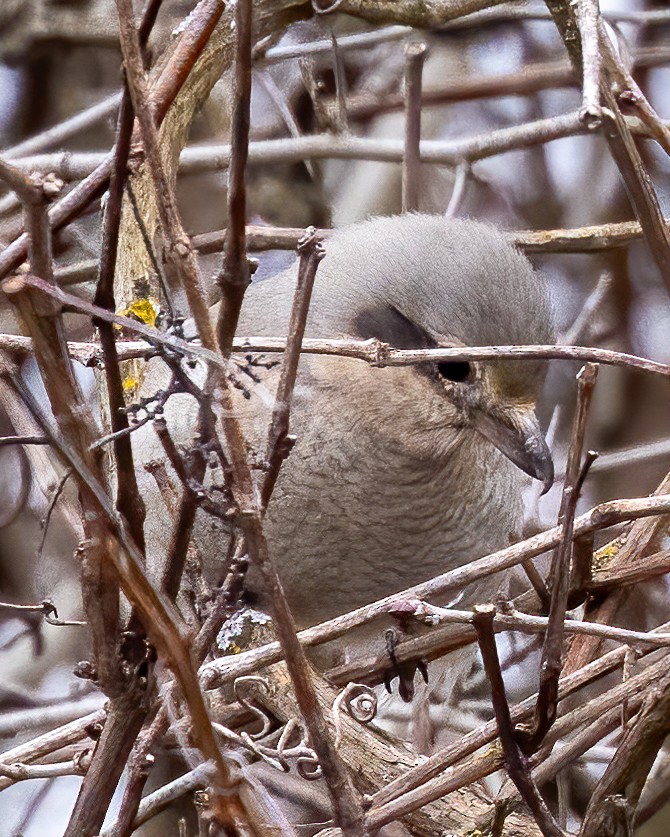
x,y
46,608
191,43
372,351
151,738
54,740
631,547
621,143
139,764
128,499
42,317
478,767
160,619
639,186
234,278
513,620
56,136
452,152
127,709
515,761
588,16
601,516
477,738
279,444
126,715
552,651
628,91
182,271
181,267
415,56
423,16
645,568
627,773
23,440
579,240
347,810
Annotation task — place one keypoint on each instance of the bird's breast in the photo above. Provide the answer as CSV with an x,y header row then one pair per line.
x,y
345,530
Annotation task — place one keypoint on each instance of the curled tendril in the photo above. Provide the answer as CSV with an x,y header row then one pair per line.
x,y
280,746
321,10
359,701
240,686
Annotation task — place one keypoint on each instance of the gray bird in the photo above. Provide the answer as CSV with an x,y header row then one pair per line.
x,y
399,473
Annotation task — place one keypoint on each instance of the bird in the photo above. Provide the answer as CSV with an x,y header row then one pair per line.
x,y
398,473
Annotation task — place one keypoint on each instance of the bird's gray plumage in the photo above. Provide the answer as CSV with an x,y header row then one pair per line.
x,y
392,479
395,476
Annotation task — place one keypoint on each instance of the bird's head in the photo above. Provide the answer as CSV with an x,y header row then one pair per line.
x,y
421,281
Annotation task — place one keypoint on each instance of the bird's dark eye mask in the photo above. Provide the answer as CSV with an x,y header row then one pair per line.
x,y
390,326
387,324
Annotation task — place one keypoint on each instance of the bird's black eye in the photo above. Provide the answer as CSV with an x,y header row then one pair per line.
x,y
457,371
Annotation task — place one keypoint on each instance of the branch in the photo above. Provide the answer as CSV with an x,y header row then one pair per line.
x,y
618,792
515,760
279,444
415,56
234,277
601,516
552,651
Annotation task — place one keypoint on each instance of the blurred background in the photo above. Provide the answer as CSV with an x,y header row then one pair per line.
x,y
337,78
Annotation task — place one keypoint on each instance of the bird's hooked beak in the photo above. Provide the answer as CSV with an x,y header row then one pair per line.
x,y
516,432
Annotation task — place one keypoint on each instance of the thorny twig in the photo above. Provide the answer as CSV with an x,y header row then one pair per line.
x,y
124,717
372,351
48,610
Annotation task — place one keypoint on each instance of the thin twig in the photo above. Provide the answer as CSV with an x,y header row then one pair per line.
x,y
580,240
601,516
638,185
552,651
451,152
234,277
516,762
279,445
588,13
510,619
372,351
473,740
457,197
415,55
66,129
627,773
23,440
43,319
341,120
46,608
162,622
491,760
126,710
54,740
